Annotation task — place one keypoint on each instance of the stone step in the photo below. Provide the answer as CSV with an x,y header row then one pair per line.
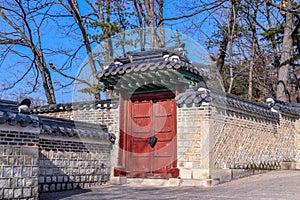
x,y
144,181
172,182
199,182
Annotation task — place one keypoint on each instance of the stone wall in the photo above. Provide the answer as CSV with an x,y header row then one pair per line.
x,y
18,162
108,116
220,138
46,154
249,141
68,163
104,113
191,121
246,142
297,140
225,137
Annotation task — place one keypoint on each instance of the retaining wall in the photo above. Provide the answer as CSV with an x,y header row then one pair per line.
x,y
42,154
71,163
229,137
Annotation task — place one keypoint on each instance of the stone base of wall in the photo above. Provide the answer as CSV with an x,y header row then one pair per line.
x,y
18,172
225,175
218,177
18,162
290,165
70,163
172,182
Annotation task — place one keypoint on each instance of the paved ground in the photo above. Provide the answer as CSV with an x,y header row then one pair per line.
x,y
272,185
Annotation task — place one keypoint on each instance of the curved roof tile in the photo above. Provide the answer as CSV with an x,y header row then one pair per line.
x,y
87,105
151,61
223,99
56,126
14,119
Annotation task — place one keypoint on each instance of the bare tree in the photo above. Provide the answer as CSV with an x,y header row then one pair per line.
x,y
23,23
149,16
289,10
231,34
73,8
253,47
227,36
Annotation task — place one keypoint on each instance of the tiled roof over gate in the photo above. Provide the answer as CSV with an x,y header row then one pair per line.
x,y
157,67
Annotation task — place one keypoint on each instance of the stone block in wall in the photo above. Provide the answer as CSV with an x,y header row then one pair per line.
x,y
18,193
9,193
185,173
77,165
18,161
200,173
222,175
4,182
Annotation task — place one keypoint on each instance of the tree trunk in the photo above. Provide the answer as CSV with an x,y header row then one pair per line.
x,y
108,49
161,26
47,85
150,10
140,29
228,36
231,31
250,80
287,45
77,16
45,74
222,54
254,42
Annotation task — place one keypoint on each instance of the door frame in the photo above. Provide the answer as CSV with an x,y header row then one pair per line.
x,y
125,114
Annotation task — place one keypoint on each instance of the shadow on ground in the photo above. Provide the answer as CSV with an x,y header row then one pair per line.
x,y
62,194
272,185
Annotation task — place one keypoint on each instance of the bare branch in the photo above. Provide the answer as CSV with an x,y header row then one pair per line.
x,y
20,79
214,6
68,76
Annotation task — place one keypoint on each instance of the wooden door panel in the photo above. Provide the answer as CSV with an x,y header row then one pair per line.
x,y
162,108
163,124
151,118
141,164
141,125
161,164
141,109
165,148
141,145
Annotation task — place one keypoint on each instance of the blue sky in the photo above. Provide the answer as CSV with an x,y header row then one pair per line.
x,y
52,37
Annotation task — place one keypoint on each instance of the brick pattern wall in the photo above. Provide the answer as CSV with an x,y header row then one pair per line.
x,y
70,163
107,116
248,141
61,114
18,162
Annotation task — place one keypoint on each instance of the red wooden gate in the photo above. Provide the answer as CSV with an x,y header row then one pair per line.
x,y
151,116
